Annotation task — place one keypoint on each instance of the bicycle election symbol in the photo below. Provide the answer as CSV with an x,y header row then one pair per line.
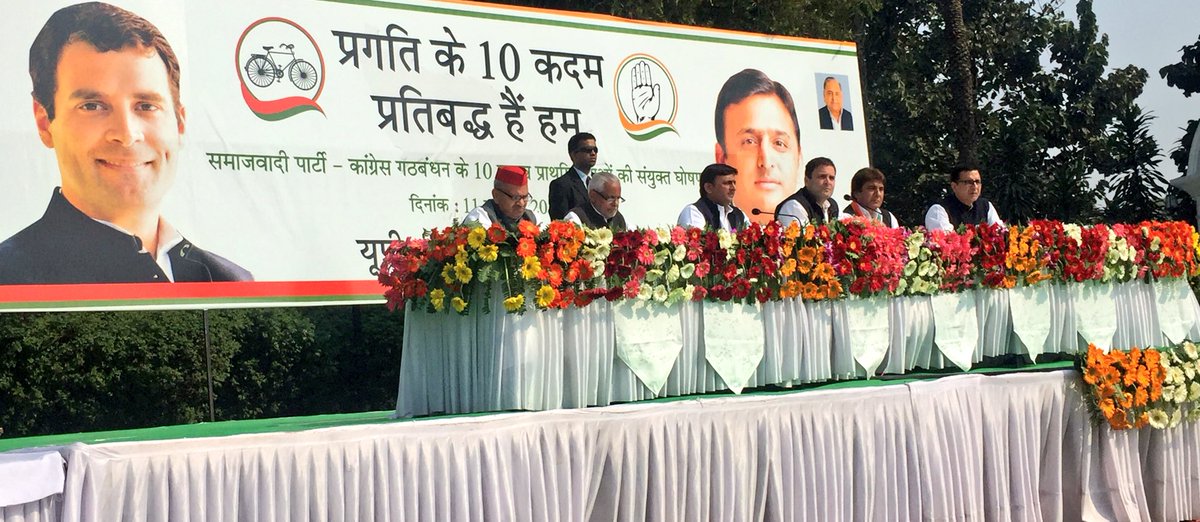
x,y
282,80
646,98
263,70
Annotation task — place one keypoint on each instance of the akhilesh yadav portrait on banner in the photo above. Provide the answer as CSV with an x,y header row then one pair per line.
x,y
106,99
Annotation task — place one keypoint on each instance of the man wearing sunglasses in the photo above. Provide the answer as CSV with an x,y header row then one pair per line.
x,y
603,207
571,189
963,204
510,197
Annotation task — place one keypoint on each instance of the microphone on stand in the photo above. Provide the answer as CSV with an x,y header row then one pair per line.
x,y
756,212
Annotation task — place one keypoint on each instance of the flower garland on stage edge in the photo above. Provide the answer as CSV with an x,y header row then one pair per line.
x,y
1136,388
563,265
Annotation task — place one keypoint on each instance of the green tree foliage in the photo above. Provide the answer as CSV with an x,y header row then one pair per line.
x,y
64,372
1041,127
1139,189
1185,75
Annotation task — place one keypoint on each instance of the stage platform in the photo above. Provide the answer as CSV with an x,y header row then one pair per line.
x,y
1013,446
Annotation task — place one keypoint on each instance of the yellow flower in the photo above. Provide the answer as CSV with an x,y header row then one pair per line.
x,y
488,252
458,304
448,273
546,295
436,298
514,303
463,273
461,256
476,236
531,268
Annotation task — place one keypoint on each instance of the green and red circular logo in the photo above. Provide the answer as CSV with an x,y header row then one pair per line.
x,y
281,69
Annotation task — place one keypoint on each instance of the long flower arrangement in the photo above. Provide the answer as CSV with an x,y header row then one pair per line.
x,y
562,265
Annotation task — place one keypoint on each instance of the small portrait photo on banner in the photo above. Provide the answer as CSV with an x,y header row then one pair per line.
x,y
833,98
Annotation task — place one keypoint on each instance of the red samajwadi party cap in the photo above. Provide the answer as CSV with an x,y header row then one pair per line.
x,y
512,175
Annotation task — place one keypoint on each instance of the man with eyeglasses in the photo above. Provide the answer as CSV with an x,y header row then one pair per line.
x,y
571,189
963,204
510,196
715,209
603,206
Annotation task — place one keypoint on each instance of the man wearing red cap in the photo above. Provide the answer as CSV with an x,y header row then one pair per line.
x,y
510,196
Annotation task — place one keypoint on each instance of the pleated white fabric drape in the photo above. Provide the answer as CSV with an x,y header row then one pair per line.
x,y
1014,447
566,359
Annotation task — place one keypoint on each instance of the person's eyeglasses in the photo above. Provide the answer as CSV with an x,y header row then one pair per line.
x,y
589,150
972,182
519,199
609,199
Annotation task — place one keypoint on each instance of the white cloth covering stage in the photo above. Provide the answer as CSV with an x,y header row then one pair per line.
x,y
1013,447
568,358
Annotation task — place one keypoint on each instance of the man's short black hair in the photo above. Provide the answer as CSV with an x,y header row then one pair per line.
x,y
103,26
712,172
751,82
816,163
957,171
866,175
573,143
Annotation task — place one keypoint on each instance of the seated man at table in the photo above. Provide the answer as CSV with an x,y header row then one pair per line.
x,y
714,209
602,208
866,198
510,196
962,206
812,203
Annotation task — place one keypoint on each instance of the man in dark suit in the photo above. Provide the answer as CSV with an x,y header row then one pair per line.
x,y
570,189
832,115
106,99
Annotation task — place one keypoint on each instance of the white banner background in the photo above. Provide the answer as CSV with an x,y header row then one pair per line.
x,y
299,226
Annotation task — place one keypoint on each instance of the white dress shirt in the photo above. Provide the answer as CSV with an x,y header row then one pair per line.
x,y
937,218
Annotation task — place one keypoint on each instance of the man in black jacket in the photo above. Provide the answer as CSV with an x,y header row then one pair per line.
x,y
106,99
812,203
715,209
570,189
962,206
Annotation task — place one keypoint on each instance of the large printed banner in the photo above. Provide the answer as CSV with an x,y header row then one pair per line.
x,y
299,138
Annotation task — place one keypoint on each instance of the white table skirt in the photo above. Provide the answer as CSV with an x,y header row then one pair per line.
x,y
1014,447
556,359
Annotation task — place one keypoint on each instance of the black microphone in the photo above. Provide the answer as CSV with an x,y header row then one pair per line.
x,y
756,211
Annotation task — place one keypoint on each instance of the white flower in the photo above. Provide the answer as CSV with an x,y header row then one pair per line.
x,y
1174,376
661,256
660,293
1189,369
926,269
673,274
1191,351
664,235
645,292
689,291
910,268
680,253
676,296
1194,391
598,268
1176,417
725,239
1181,395
901,286
1073,231
653,275
1159,418
687,271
